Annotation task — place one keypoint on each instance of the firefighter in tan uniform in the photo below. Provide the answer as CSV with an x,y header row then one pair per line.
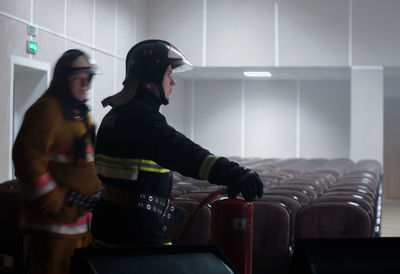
x,y
53,159
136,150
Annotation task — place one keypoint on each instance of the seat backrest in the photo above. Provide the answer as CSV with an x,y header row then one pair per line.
x,y
11,240
271,237
198,231
332,219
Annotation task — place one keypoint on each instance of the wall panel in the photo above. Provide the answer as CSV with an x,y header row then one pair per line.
x,y
50,48
49,14
217,114
313,32
324,119
105,22
18,8
80,20
240,33
367,114
126,26
179,22
270,119
376,32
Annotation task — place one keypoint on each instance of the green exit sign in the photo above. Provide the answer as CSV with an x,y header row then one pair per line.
x,y
31,47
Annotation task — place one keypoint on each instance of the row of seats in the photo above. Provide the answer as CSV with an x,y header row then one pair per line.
x,y
302,199
316,198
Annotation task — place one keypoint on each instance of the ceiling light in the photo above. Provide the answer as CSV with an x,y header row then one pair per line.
x,y
257,74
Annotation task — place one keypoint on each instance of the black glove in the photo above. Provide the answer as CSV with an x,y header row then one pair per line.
x,y
238,179
245,181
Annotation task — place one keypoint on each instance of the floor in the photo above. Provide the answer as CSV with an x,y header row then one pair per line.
x,y
390,218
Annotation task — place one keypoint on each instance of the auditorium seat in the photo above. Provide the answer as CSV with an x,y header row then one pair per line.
x,y
350,199
316,186
332,220
198,231
350,193
292,206
299,196
353,189
271,237
307,190
13,244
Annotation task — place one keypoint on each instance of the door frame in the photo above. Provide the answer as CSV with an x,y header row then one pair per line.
x,y
25,62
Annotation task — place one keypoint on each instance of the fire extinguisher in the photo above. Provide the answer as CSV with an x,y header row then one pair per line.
x,y
231,229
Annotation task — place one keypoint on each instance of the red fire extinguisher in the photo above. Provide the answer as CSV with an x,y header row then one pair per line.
x,y
231,229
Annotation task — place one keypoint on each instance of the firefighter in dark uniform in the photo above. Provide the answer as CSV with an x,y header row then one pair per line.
x,y
136,150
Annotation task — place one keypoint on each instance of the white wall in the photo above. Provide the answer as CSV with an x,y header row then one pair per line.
x,y
280,32
325,119
271,119
375,32
313,32
367,114
216,116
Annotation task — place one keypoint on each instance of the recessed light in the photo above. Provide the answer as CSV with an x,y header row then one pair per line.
x,y
257,74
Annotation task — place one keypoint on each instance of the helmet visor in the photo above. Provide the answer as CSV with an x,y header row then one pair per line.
x,y
84,62
178,60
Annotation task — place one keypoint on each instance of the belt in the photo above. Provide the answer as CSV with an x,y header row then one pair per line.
x,y
161,206
146,202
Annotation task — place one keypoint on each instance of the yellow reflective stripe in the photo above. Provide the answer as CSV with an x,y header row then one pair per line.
x,y
125,160
206,166
101,163
131,164
168,243
149,169
150,162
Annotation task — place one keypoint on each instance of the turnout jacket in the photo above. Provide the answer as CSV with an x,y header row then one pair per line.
x,y
52,155
135,152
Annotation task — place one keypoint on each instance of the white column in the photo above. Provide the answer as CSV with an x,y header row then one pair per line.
x,y
366,135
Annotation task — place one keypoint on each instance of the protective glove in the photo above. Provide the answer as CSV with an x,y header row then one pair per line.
x,y
238,179
245,181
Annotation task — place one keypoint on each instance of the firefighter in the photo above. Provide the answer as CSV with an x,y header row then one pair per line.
x,y
53,156
136,151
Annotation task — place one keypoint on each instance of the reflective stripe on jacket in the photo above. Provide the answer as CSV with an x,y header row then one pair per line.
x,y
126,169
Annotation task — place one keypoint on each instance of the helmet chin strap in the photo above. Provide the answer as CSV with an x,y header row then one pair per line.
x,y
160,88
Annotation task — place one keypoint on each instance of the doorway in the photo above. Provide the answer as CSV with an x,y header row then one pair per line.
x,y
29,79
